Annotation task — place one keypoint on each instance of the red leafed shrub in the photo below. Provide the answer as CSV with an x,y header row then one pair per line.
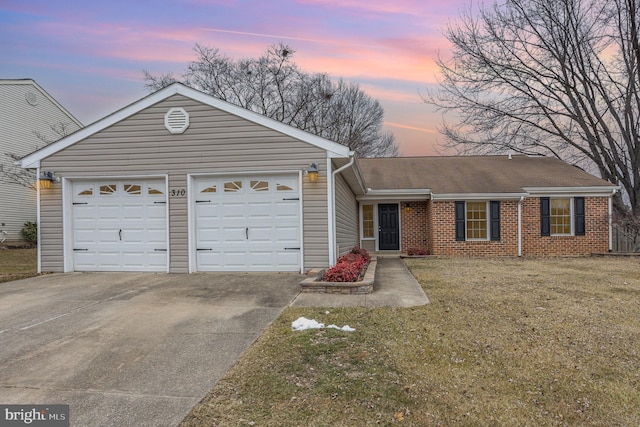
x,y
358,260
342,272
362,252
348,267
418,251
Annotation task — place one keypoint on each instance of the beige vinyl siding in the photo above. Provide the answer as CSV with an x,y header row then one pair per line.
x,y
346,217
178,225
315,230
215,142
19,129
51,232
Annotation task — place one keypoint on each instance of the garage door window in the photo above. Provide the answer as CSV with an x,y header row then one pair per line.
x,y
260,185
283,187
133,189
86,192
211,189
106,190
232,186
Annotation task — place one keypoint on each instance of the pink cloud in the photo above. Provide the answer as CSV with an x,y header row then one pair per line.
x,y
406,7
403,126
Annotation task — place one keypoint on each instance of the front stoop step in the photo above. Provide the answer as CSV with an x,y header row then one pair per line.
x,y
365,286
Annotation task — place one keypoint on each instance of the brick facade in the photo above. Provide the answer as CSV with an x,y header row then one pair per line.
x,y
444,242
415,225
431,225
595,240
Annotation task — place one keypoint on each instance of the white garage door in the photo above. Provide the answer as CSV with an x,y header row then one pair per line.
x,y
247,223
120,225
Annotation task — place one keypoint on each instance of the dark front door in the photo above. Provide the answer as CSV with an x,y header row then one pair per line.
x,y
388,228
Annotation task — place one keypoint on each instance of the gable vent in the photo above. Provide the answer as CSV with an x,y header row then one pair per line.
x,y
176,120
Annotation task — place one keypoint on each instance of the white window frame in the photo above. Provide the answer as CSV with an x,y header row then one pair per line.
x,y
487,221
571,216
375,220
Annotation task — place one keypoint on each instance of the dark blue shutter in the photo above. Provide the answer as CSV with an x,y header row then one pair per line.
x,y
578,213
545,216
495,220
460,228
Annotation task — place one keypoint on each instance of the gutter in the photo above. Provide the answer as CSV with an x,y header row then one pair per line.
x,y
332,217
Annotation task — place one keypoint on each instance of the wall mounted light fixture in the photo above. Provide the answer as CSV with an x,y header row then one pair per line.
x,y
312,172
45,179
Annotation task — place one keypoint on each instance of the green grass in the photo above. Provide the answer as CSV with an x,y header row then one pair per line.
x,y
509,342
17,264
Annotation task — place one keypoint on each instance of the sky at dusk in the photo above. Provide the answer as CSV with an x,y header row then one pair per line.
x,y
90,55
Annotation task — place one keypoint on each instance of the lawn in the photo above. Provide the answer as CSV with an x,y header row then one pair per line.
x,y
17,264
509,342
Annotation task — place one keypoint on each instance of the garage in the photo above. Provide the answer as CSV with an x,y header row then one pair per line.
x,y
247,223
119,225
182,182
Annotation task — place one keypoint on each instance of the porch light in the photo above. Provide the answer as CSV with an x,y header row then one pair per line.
x,y
312,172
45,179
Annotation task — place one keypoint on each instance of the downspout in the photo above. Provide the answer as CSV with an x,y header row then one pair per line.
x,y
38,222
520,226
332,243
613,193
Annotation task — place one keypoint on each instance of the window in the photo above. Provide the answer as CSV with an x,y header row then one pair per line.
x,y
86,192
154,191
258,185
477,220
283,187
367,221
107,189
133,189
232,186
211,189
562,216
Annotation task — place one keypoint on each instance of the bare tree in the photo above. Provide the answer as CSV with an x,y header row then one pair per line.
x,y
11,173
274,86
548,77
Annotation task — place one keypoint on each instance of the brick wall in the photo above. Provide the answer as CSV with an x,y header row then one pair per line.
x,y
415,225
442,236
444,233
596,238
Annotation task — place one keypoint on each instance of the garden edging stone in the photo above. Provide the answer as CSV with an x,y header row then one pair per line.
x,y
364,286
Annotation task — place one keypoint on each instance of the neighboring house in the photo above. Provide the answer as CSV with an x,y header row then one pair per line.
x,y
28,115
181,182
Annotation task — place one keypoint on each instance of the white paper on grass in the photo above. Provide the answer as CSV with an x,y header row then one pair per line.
x,y
302,324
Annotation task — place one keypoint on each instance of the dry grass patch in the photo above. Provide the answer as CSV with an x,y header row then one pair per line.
x,y
514,342
17,264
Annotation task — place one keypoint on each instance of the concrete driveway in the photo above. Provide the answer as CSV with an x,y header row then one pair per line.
x,y
130,349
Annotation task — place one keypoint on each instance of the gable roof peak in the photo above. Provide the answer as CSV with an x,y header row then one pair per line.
x,y
333,148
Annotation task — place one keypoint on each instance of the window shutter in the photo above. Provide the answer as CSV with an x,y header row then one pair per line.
x,y
545,216
495,220
578,211
460,228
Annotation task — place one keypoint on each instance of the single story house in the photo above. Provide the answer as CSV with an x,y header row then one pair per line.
x,y
30,118
182,182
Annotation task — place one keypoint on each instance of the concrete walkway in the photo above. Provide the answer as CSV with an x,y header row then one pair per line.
x,y
394,286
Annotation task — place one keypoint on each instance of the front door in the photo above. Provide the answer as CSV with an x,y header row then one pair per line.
x,y
388,228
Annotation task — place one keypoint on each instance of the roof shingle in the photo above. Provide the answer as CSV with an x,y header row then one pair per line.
x,y
473,174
